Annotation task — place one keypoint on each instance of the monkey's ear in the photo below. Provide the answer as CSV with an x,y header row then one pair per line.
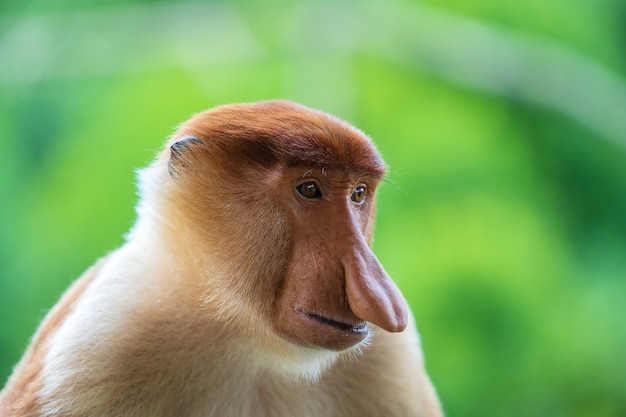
x,y
178,149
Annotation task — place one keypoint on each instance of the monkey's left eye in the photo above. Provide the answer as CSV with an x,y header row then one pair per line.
x,y
359,193
309,189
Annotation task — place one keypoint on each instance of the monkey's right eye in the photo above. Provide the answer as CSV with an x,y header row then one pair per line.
x,y
309,189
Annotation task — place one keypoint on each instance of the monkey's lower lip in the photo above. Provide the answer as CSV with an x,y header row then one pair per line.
x,y
345,327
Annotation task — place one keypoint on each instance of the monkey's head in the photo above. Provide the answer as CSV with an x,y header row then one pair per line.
x,y
273,206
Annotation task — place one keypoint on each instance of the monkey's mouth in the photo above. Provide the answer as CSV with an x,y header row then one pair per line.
x,y
358,328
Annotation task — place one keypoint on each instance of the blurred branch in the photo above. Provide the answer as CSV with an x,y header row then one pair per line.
x,y
476,55
193,35
122,39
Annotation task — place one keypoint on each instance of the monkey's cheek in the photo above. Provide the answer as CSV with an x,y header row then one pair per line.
x,y
315,331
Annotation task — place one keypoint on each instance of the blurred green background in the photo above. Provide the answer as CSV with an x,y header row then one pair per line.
x,y
504,124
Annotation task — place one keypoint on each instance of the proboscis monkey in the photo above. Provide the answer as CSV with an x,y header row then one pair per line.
x,y
247,287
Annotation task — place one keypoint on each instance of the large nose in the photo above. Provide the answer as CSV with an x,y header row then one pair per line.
x,y
372,295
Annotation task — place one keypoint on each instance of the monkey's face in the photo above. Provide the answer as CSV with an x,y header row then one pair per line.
x,y
333,284
285,196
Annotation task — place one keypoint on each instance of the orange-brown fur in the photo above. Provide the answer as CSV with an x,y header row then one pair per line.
x,y
237,293
19,398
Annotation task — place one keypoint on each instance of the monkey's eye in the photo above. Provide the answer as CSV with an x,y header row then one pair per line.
x,y
359,193
309,189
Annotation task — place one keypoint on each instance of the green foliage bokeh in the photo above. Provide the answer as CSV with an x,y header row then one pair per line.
x,y
503,219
